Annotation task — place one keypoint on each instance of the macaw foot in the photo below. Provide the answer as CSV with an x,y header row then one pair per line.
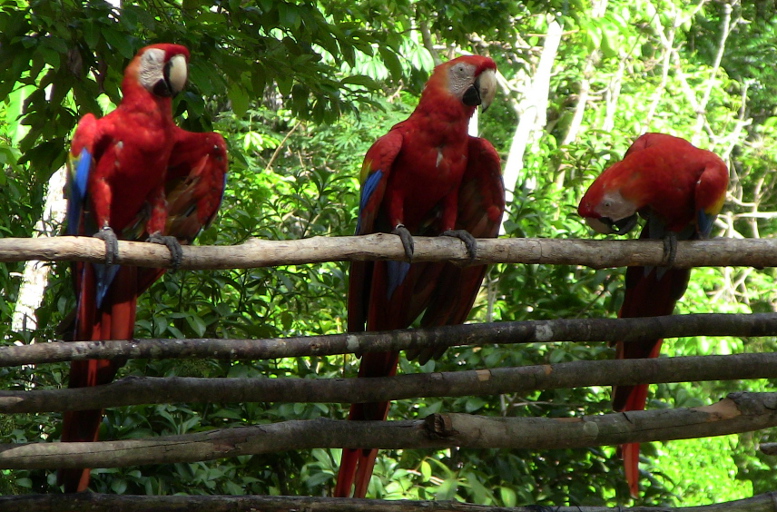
x,y
424,355
670,249
407,240
107,235
176,253
467,238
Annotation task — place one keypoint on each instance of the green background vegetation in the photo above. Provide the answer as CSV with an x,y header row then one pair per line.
x,y
300,90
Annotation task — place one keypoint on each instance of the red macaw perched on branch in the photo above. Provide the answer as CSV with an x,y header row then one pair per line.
x,y
136,176
427,177
679,189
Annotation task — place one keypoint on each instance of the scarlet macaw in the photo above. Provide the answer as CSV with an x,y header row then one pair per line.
x,y
679,189
120,168
427,177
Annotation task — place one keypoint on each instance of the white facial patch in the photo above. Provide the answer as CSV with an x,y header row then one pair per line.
x,y
152,64
461,76
615,207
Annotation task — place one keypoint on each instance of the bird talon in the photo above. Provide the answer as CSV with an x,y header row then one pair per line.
x,y
173,245
467,238
107,235
407,240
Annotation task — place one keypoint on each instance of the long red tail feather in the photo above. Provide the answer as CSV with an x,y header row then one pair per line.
x,y
356,464
114,320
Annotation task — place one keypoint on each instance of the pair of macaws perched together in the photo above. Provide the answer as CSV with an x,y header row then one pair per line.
x,y
428,177
134,175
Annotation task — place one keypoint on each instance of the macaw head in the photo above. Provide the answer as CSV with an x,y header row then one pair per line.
x,y
604,206
606,210
471,79
162,69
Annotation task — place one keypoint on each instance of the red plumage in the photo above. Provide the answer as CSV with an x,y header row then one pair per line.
x,y
123,170
429,176
679,189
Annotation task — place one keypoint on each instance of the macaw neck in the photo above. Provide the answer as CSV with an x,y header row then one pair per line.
x,y
443,108
139,100
443,119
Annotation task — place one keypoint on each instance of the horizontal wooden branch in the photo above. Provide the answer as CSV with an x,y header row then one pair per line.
x,y
267,253
148,390
88,502
739,412
769,448
538,331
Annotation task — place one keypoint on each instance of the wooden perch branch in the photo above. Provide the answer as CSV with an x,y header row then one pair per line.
x,y
148,390
739,412
89,502
380,246
538,331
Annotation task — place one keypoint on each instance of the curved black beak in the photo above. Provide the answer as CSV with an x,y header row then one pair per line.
x,y
622,226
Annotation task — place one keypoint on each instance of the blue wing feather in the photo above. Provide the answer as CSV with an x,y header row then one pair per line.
x,y
396,272
79,177
704,223
368,188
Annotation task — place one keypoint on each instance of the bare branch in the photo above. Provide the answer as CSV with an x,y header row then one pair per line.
x,y
769,448
89,502
381,246
739,412
149,390
542,331
710,82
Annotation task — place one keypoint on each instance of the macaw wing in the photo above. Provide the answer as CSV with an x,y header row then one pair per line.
x,y
482,193
647,140
481,206
89,144
196,178
375,173
81,162
710,194
194,188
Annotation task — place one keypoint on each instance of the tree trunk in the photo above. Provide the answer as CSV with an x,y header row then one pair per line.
x,y
36,273
531,111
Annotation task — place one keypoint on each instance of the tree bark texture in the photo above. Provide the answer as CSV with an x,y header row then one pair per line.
x,y
739,412
150,390
537,331
103,502
719,252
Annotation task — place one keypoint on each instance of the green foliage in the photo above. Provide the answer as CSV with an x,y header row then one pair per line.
x,y
300,90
